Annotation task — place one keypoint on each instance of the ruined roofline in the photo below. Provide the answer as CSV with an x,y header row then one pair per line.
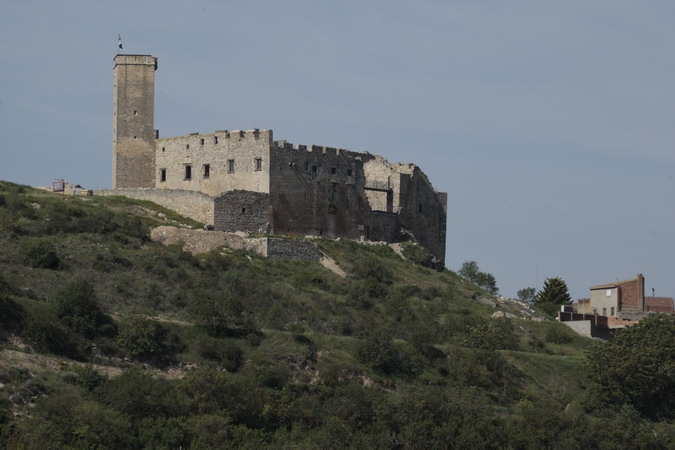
x,y
225,134
397,167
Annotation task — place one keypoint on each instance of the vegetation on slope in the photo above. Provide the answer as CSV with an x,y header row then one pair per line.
x,y
112,341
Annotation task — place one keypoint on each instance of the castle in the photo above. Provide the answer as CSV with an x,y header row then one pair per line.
x,y
244,180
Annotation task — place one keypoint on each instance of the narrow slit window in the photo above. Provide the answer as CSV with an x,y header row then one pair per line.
x,y
306,166
243,210
162,174
215,139
207,170
187,145
230,165
201,141
188,172
258,164
333,170
419,208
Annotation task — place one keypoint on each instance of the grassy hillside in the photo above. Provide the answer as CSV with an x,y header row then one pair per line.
x,y
112,341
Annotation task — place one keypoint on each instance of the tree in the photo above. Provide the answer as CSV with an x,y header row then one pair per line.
x,y
552,296
527,294
486,281
637,367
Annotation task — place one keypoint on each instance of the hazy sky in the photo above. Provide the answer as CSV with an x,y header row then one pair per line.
x,y
549,124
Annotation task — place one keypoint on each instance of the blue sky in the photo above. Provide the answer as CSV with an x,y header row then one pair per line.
x,y
549,124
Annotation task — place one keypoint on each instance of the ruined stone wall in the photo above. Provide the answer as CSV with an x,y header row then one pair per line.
x,y
219,162
195,205
133,121
421,209
242,211
318,191
292,249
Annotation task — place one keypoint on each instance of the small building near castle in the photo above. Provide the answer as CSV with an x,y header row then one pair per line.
x,y
245,180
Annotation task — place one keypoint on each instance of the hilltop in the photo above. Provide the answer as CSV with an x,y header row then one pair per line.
x,y
110,340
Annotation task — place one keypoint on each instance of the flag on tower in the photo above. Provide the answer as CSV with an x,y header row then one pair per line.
x,y
119,42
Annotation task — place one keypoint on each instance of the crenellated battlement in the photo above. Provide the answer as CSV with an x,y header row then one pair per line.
x,y
254,134
282,144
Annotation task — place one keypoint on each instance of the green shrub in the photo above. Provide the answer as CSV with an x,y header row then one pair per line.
x,y
39,253
77,308
496,335
144,339
226,354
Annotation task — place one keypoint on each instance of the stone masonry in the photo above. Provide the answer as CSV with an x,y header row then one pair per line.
x,y
244,180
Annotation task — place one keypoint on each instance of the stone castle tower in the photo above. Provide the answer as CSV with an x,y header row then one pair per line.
x,y
133,121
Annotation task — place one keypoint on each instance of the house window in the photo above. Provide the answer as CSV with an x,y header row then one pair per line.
x,y
207,170
162,174
604,311
230,165
608,293
188,172
612,311
258,164
333,170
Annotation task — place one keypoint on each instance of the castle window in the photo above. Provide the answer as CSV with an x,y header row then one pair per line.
x,y
230,165
162,174
215,139
315,169
188,172
135,112
333,170
243,210
306,166
201,141
187,145
349,172
258,164
206,170
419,208
163,148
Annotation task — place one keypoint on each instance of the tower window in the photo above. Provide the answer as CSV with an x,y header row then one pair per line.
x,y
315,169
258,164
243,210
188,172
187,145
162,174
230,165
135,112
349,172
215,139
206,170
201,141
306,166
333,170
419,207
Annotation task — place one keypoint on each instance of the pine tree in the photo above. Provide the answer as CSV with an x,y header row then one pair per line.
x,y
552,295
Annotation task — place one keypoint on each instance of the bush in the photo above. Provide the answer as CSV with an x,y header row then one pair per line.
x,y
144,339
226,354
39,253
77,308
496,335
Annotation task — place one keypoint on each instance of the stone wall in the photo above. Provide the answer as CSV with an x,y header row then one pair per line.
x,y
242,211
218,162
195,205
318,191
